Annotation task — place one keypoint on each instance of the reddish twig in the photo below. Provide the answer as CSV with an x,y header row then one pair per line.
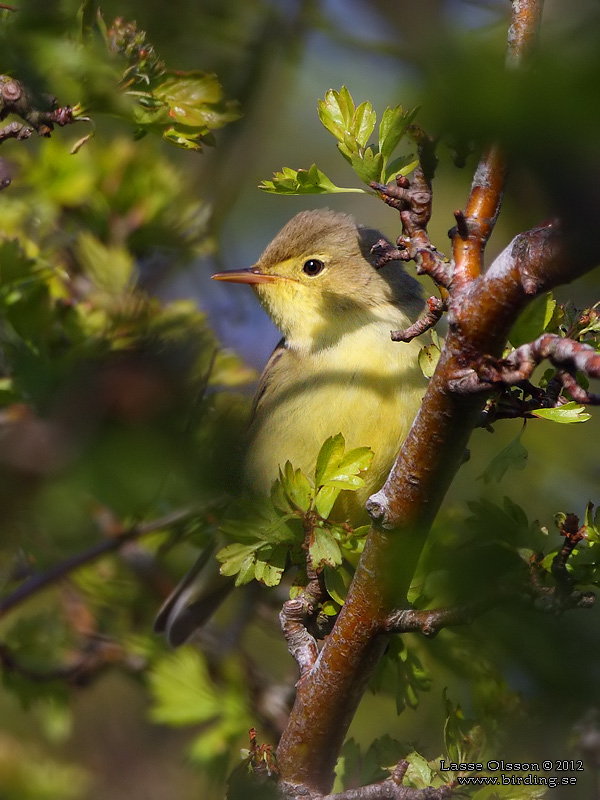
x,y
566,354
435,308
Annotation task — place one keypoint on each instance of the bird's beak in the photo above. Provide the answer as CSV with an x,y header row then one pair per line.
x,y
252,275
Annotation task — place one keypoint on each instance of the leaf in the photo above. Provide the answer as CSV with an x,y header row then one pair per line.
x,y
429,355
533,321
325,500
296,487
513,456
301,181
270,564
364,119
337,582
392,128
400,166
195,100
419,773
566,414
236,557
368,165
336,112
110,268
329,458
323,549
182,689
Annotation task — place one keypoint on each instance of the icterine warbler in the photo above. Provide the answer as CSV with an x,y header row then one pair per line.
x,y
336,370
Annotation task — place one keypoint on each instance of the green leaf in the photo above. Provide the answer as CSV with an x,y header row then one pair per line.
x,y
337,582
392,128
402,165
195,100
533,321
296,487
110,268
419,773
364,119
323,549
329,458
301,181
513,456
336,112
429,355
270,564
368,165
325,500
182,689
236,557
566,414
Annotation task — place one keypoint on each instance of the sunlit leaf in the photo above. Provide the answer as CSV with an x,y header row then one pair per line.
x,y
311,181
323,549
568,413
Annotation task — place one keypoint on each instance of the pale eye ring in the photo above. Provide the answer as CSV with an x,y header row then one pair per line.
x,y
313,267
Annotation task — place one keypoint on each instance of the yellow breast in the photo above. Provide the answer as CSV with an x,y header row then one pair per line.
x,y
365,386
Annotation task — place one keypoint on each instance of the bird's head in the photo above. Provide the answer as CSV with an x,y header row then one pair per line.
x,y
317,279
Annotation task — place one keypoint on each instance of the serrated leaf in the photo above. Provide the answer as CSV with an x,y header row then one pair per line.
x,y
336,112
364,119
323,549
296,486
566,414
182,690
392,128
194,100
513,456
270,564
110,268
236,556
368,165
329,458
419,772
533,321
295,182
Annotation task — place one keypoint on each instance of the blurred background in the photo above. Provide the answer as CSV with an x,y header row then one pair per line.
x,y
108,422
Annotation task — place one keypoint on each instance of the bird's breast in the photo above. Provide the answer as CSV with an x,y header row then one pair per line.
x,y
366,387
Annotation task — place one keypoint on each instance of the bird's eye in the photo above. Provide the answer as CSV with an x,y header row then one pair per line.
x,y
312,267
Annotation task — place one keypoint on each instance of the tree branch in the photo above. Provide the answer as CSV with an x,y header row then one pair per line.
x,y
43,580
482,309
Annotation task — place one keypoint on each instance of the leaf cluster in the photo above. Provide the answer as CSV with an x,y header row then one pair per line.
x,y
183,107
272,534
352,126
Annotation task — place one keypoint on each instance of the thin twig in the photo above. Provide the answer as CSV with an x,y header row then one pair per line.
x,y
45,579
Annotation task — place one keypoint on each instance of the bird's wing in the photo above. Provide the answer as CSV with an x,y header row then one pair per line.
x,y
267,375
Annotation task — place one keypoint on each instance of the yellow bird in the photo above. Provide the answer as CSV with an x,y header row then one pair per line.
x,y
336,370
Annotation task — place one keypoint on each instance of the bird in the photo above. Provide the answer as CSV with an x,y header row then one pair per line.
x,y
336,370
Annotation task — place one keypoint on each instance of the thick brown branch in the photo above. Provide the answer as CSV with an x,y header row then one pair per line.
x,y
42,581
481,312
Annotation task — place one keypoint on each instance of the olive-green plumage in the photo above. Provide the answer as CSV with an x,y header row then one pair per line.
x,y
336,370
